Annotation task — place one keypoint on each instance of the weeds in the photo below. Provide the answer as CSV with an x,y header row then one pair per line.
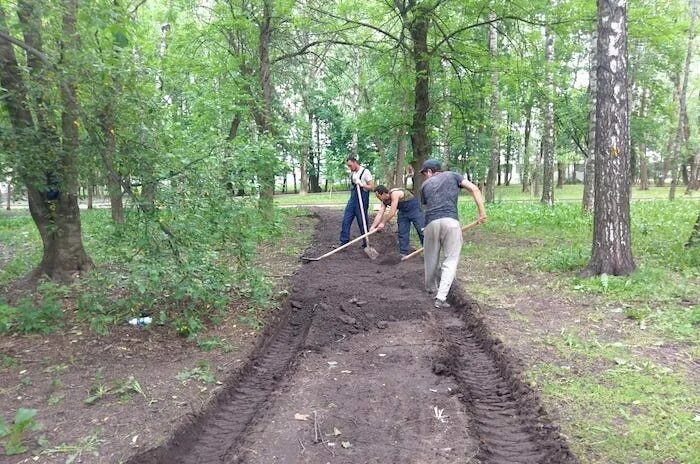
x,y
201,372
122,389
75,452
12,435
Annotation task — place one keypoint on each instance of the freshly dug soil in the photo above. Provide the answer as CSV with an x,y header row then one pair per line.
x,y
362,369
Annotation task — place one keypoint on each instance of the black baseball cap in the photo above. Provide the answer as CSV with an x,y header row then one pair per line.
x,y
432,164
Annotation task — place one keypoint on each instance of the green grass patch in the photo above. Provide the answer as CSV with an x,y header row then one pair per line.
x,y
616,405
629,413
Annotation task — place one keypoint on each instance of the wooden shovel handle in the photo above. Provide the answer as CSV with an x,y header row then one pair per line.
x,y
420,250
342,247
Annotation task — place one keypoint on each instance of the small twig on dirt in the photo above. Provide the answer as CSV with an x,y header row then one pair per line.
x,y
341,338
303,448
315,428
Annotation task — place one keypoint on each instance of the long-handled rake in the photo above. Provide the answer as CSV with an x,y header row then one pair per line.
x,y
420,250
341,247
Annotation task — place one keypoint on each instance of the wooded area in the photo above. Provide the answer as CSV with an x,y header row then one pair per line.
x,y
147,100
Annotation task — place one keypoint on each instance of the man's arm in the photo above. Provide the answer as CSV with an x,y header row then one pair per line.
x,y
476,193
378,218
395,197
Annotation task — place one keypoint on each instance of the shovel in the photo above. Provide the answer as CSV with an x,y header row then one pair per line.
x,y
420,250
369,251
342,247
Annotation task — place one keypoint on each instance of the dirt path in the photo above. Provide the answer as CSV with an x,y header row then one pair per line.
x,y
362,369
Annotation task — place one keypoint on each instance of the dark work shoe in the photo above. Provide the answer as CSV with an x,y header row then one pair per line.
x,y
441,304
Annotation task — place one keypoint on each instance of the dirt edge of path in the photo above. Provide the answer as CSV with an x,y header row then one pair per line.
x,y
527,401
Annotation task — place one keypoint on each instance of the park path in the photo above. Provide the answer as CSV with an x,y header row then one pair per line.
x,y
360,368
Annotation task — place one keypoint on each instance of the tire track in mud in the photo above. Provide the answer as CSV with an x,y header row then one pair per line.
x,y
511,425
505,415
212,437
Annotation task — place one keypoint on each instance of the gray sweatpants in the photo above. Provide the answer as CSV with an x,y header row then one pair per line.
x,y
444,234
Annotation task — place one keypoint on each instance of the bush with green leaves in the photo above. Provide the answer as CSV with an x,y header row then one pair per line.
x,y
181,262
12,435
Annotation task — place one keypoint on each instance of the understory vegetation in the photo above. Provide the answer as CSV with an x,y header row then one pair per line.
x,y
180,265
618,371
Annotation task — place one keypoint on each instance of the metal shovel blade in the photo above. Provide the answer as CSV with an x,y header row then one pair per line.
x,y
371,252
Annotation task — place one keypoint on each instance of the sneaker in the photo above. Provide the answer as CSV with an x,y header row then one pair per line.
x,y
441,304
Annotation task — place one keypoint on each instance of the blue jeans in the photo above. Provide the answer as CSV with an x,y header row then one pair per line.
x,y
409,213
353,212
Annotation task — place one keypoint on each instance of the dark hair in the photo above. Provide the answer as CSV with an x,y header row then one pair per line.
x,y
381,190
351,158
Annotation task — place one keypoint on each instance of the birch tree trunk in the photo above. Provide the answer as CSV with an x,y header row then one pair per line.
x,y
495,160
548,132
588,200
612,241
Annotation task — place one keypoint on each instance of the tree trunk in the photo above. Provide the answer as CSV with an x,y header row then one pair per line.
x,y
398,177
537,174
264,109
420,139
54,211
525,176
643,167
681,132
114,178
306,141
588,201
509,151
548,132
495,159
561,174
9,194
694,239
612,241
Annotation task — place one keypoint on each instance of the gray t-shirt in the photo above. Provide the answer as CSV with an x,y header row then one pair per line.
x,y
439,195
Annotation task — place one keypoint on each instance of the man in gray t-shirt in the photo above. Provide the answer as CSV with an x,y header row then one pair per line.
x,y
439,194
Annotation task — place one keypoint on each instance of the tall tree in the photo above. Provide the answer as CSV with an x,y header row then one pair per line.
x,y
51,177
548,135
588,201
612,240
682,130
495,158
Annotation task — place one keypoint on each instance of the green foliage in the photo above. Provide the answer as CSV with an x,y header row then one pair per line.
x,y
121,389
214,343
182,263
201,372
38,313
12,435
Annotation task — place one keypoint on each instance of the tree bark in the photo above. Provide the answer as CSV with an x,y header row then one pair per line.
x,y
495,158
612,241
53,195
548,135
694,239
526,177
643,167
9,194
561,174
420,138
681,131
306,141
588,201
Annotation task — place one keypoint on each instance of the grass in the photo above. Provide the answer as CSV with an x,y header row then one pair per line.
x,y
616,372
511,193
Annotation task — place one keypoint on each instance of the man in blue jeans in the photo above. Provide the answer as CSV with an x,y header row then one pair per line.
x,y
359,176
401,201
